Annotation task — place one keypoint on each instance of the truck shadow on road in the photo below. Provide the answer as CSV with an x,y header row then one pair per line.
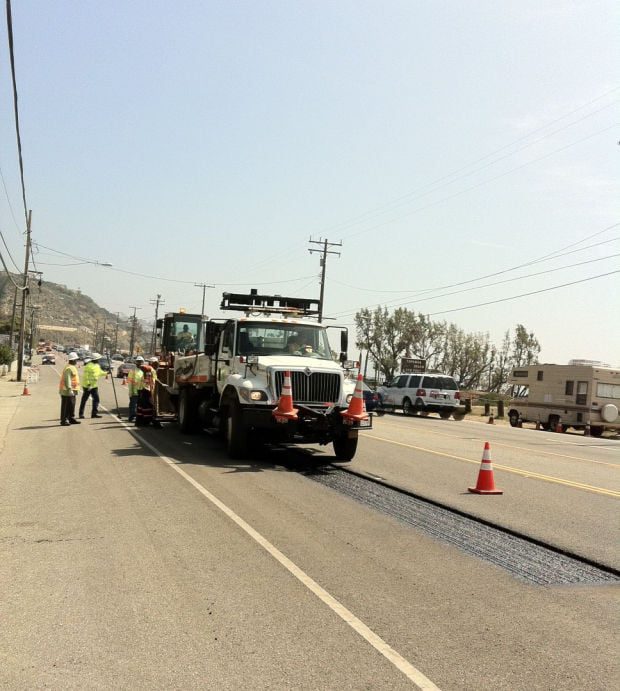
x,y
206,451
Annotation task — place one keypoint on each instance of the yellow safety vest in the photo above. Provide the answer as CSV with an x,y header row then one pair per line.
x,y
69,381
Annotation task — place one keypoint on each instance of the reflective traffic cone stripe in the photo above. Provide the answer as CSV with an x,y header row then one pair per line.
x,y
284,411
357,407
486,482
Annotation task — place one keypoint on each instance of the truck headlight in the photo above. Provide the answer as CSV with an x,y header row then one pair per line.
x,y
252,395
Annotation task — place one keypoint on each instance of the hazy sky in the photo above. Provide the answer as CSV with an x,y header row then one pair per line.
x,y
441,142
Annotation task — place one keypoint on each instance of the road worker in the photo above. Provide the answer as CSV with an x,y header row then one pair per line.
x,y
145,414
90,384
135,382
69,388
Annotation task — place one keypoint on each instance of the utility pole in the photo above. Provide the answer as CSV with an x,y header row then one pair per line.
x,y
324,252
116,334
13,315
204,287
105,321
133,329
157,302
22,326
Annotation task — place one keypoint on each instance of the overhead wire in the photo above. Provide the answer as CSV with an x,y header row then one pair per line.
x,y
385,207
9,23
533,292
408,301
436,184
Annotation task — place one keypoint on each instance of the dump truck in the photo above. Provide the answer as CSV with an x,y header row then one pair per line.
x,y
227,375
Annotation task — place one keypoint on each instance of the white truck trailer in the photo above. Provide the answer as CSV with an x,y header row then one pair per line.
x,y
227,374
563,396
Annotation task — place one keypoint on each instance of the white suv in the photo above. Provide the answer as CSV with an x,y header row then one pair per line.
x,y
420,394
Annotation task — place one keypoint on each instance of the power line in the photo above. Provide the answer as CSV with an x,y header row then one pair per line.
x,y
435,184
547,257
9,24
480,184
515,297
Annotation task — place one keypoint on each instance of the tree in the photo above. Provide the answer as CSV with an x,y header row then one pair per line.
x,y
385,336
6,354
525,348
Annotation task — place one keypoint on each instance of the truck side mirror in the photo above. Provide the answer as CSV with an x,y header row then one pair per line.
x,y
344,342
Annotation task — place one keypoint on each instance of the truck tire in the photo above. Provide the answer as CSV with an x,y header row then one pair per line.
x,y
596,431
407,407
236,432
345,447
445,414
188,419
513,418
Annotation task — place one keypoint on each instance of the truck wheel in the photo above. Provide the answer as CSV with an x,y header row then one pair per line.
x,y
407,407
596,431
513,418
187,412
236,433
445,414
345,447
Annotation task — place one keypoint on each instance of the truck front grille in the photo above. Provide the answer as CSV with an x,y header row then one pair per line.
x,y
317,387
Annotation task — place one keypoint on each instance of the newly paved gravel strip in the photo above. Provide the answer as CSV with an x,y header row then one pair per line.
x,y
525,560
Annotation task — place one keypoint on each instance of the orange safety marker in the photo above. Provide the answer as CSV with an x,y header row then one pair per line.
x,y
25,392
357,407
486,483
124,381
284,411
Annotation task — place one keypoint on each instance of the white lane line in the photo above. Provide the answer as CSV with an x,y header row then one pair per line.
x,y
403,665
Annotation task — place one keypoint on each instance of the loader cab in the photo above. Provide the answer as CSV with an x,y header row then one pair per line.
x,y
180,333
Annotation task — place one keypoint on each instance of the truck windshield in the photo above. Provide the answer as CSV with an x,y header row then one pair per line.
x,y
301,340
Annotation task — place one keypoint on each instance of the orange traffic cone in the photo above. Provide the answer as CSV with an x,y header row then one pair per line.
x,y
124,381
25,392
491,420
284,411
486,483
357,408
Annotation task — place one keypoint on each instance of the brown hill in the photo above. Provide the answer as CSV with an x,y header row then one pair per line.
x,y
66,316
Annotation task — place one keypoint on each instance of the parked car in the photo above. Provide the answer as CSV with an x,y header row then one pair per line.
x,y
420,394
124,369
117,357
48,359
371,398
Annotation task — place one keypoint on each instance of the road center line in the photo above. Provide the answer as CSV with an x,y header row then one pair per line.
x,y
403,665
511,446
507,468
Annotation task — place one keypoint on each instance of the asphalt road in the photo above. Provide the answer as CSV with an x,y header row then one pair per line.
x,y
151,561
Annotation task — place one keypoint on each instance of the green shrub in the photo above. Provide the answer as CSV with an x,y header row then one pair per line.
x,y
6,354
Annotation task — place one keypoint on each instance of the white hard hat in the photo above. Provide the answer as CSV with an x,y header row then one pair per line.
x,y
96,356
72,356
87,360
139,358
153,359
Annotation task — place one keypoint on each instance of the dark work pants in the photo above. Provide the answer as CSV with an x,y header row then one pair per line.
x,y
67,408
95,394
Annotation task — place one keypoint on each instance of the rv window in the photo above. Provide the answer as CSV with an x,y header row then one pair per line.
x,y
540,375
582,393
608,390
520,373
570,385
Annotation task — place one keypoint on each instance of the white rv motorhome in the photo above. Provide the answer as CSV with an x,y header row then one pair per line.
x,y
574,395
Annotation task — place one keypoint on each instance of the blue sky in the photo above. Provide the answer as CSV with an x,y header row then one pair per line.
x,y
440,141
